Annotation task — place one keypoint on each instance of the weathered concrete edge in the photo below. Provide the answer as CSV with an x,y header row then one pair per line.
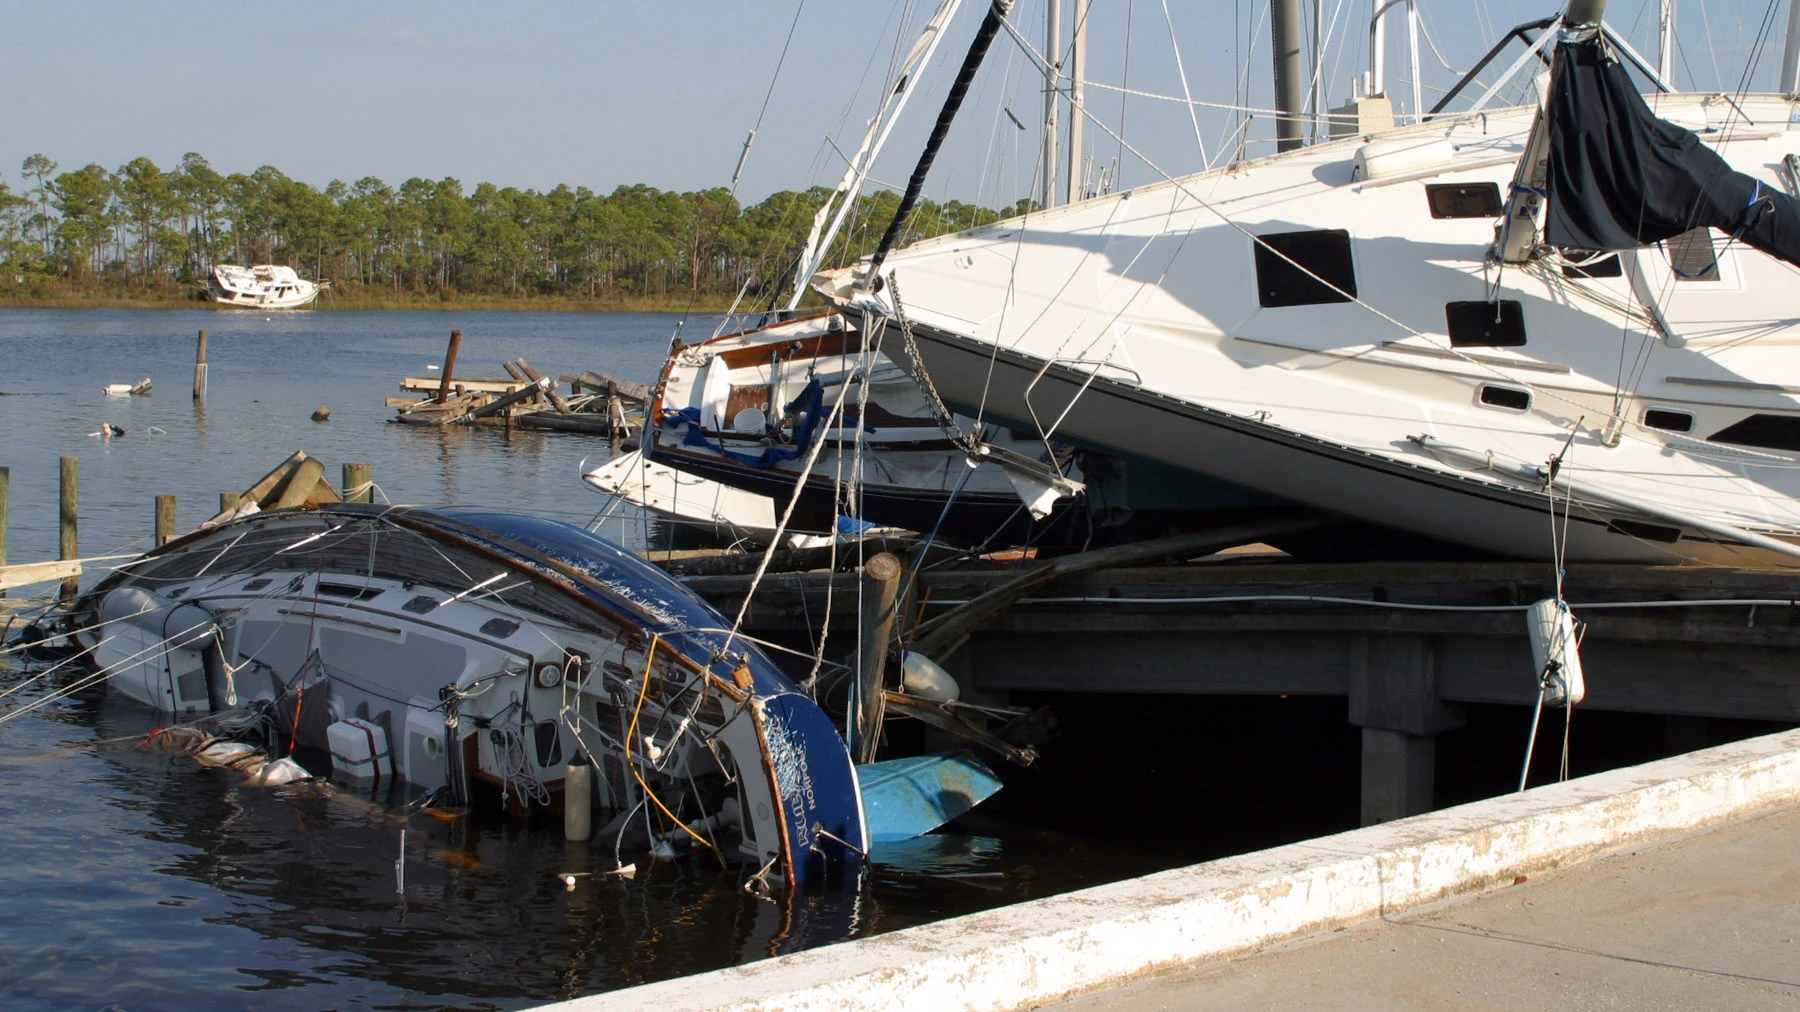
x,y
1049,949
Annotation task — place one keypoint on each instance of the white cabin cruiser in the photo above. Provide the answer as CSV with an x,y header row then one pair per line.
x,y
262,286
1391,327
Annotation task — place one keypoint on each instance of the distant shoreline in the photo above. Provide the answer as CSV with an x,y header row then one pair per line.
x,y
363,303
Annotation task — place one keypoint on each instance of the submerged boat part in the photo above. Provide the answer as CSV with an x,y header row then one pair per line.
x,y
907,798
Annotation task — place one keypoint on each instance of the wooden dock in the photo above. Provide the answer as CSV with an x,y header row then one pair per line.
x,y
1409,645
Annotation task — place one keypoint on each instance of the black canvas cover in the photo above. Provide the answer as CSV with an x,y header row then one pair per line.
x,y
1620,178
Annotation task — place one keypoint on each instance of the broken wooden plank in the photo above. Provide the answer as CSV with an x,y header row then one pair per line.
x,y
500,403
624,388
561,406
430,384
26,574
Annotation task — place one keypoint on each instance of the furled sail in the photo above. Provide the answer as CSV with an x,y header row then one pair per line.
x,y
1620,178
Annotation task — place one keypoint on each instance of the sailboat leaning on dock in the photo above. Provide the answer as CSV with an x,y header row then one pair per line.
x,y
1391,326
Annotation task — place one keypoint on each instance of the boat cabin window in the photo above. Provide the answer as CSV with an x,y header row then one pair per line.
x,y
1486,324
1304,268
1668,421
1510,398
1463,200
1587,264
1693,257
1771,432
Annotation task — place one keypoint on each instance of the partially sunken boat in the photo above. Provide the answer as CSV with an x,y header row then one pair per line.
x,y
486,656
262,286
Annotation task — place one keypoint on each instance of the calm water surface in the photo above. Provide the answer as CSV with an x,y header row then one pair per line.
x,y
138,880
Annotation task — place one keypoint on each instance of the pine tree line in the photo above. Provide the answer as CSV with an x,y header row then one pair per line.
x,y
140,227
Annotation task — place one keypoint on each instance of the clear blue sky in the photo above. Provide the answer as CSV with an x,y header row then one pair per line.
x,y
607,93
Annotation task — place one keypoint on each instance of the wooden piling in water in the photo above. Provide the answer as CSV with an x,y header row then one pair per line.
x,y
615,416
200,369
5,492
443,393
230,501
70,545
357,485
880,583
165,520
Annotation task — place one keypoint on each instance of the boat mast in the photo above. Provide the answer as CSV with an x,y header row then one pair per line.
x,y
1048,195
1285,18
1790,58
1518,232
1076,171
1666,64
819,239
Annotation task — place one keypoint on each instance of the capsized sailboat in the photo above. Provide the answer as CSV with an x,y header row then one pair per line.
x,y
1383,327
479,653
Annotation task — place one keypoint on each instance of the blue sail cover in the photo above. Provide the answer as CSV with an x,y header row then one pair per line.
x,y
1619,178
814,776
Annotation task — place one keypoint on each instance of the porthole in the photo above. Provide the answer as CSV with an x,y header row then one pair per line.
x,y
1509,398
1668,421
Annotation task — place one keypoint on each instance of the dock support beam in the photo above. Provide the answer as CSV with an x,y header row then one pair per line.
x,y
165,520
449,366
880,585
357,485
200,369
1393,698
5,494
70,545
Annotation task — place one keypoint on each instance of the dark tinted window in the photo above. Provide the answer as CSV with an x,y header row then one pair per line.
x,y
1320,273
1485,324
1506,397
1464,200
1645,532
1774,432
1672,421
1592,265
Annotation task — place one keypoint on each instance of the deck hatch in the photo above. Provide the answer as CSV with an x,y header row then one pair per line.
x,y
1463,200
1321,271
1485,324
1692,255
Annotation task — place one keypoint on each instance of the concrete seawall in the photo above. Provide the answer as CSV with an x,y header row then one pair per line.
x,y
1048,949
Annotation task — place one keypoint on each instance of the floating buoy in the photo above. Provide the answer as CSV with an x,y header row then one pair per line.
x,y
322,414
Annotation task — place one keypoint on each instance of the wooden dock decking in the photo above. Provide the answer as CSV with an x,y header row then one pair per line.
x,y
1408,644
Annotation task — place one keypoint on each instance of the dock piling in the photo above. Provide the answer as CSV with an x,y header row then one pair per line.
x,y
449,366
5,492
200,369
70,549
880,586
165,520
357,485
229,501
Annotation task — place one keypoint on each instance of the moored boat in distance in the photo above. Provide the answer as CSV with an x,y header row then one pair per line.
x,y
261,286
